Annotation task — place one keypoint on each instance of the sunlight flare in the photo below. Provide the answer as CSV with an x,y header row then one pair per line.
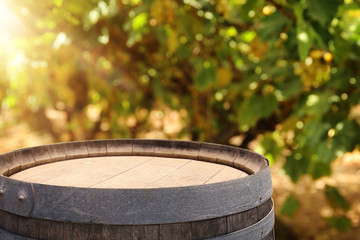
x,y
10,24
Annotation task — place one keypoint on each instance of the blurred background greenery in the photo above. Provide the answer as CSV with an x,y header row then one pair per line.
x,y
281,77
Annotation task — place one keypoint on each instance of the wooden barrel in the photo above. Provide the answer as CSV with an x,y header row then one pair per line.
x,y
135,189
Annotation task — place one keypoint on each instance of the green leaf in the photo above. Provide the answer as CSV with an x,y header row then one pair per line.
x,y
290,206
340,48
316,103
289,88
296,165
247,36
347,136
323,11
255,108
304,42
319,169
315,131
272,25
249,5
335,199
337,79
305,33
231,32
298,8
282,70
139,21
183,52
325,153
351,22
306,39
341,223
206,76
239,13
266,105
270,146
224,51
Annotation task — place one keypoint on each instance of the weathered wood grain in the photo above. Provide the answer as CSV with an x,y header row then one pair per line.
x,y
41,155
76,150
184,149
96,148
175,231
56,152
240,221
263,209
46,229
116,147
129,172
150,232
208,228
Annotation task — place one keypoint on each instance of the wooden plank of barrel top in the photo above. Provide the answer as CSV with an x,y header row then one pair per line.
x,y
135,189
128,172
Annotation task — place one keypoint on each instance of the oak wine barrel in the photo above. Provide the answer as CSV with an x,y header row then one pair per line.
x,y
135,189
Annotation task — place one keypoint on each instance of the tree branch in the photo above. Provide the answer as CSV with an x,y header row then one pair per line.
x,y
282,10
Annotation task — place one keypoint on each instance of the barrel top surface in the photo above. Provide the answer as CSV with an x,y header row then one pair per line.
x,y
129,172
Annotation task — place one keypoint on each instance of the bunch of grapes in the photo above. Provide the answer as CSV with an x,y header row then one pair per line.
x,y
315,70
223,7
162,12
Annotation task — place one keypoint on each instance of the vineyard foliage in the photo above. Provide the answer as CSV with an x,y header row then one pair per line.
x,y
282,73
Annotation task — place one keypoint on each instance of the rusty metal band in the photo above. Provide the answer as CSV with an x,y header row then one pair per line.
x,y
256,231
137,206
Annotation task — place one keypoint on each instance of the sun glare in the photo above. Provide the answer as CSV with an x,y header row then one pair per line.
x,y
11,27
7,21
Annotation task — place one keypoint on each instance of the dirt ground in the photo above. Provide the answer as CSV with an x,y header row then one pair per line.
x,y
308,222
